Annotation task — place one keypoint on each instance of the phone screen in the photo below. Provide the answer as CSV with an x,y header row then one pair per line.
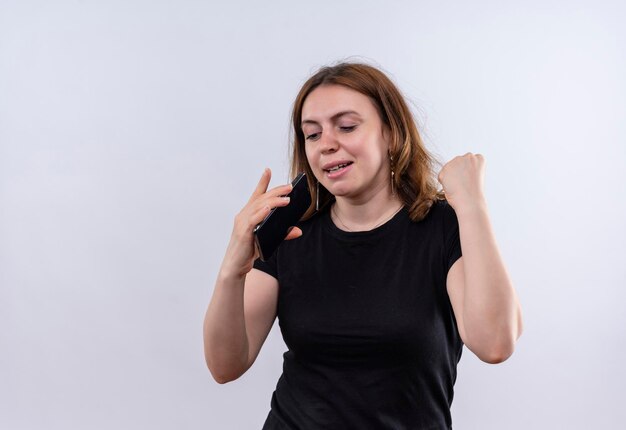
x,y
272,230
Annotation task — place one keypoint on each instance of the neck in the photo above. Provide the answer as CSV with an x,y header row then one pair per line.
x,y
363,216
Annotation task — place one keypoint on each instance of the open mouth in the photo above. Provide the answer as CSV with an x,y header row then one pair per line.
x,y
338,167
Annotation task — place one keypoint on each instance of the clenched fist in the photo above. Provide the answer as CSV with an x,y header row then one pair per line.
x,y
462,179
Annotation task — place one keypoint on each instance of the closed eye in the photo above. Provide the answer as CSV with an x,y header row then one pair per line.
x,y
345,129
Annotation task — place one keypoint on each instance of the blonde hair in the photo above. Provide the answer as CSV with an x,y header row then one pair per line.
x,y
415,178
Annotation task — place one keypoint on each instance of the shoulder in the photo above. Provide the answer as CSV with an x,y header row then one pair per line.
x,y
440,222
313,222
442,210
438,213
315,218
310,227
442,207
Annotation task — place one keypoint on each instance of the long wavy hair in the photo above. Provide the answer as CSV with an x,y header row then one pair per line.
x,y
415,178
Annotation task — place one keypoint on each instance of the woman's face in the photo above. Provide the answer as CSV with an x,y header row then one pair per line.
x,y
345,142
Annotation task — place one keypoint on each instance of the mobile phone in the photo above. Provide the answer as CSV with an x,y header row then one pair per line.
x,y
269,234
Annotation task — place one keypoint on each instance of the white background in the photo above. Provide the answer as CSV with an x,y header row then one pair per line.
x,y
132,132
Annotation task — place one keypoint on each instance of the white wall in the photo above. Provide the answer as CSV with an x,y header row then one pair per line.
x,y
131,132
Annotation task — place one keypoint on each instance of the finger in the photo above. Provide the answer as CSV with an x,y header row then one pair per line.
x,y
256,212
281,190
259,215
294,233
257,254
265,208
274,202
263,183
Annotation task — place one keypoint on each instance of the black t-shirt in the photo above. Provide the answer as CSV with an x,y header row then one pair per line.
x,y
372,338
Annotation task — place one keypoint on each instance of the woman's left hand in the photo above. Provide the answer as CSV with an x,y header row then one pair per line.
x,y
462,179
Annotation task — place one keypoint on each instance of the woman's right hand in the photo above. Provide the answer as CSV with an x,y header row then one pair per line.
x,y
241,252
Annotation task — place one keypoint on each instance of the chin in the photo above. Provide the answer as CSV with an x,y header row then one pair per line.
x,y
339,191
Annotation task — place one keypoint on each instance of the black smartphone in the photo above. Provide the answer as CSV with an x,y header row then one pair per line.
x,y
273,229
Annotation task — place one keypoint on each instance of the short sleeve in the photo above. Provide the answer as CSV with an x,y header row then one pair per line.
x,y
269,266
452,240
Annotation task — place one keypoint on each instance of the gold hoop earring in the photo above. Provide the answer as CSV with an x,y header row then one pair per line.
x,y
393,191
317,197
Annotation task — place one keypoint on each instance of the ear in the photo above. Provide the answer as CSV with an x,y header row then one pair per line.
x,y
387,137
386,133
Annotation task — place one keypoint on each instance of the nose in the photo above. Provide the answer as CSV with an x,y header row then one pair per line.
x,y
328,142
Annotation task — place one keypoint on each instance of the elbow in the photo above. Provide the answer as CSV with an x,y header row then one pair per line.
x,y
499,345
220,378
494,349
495,358
223,379
224,370
223,376
497,354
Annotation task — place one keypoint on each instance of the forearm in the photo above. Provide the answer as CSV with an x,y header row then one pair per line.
x,y
225,338
226,342
491,312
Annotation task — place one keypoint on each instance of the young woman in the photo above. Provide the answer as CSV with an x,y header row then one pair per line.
x,y
383,280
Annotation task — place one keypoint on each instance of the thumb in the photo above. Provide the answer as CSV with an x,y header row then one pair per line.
x,y
294,233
